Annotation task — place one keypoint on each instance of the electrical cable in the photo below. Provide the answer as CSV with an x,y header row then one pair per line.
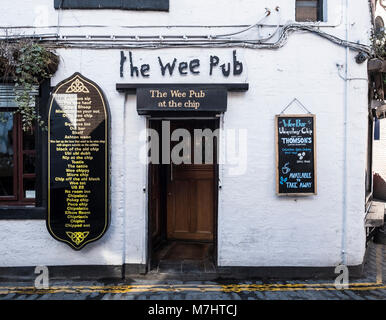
x,y
340,67
267,13
185,41
276,29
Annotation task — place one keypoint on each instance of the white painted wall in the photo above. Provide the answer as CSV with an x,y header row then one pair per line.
x,y
256,228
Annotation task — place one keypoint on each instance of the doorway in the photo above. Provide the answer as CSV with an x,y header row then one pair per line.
x,y
183,195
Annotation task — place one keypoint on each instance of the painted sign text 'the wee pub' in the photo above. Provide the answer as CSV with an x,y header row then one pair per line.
x,y
130,65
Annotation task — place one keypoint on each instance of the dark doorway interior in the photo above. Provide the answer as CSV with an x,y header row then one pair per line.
x,y
183,205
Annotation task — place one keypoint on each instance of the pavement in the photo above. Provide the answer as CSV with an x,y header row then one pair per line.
x,y
371,286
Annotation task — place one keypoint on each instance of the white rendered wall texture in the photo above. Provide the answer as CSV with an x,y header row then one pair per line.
x,y
255,227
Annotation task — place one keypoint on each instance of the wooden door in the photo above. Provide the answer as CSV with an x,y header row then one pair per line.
x,y
190,194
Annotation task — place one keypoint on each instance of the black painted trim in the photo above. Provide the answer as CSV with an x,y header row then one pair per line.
x,y
286,272
181,114
143,5
75,272
22,213
42,143
321,10
131,88
132,271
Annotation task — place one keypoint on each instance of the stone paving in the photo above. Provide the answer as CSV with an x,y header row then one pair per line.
x,y
370,287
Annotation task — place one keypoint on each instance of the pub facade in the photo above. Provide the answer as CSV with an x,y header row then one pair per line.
x,y
179,135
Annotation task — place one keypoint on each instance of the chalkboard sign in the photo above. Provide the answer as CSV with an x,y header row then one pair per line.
x,y
295,155
78,159
193,99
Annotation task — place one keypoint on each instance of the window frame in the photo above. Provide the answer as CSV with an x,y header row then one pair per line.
x,y
320,15
379,25
19,176
14,196
37,210
369,158
142,5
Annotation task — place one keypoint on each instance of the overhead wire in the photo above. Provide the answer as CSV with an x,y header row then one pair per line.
x,y
227,40
266,14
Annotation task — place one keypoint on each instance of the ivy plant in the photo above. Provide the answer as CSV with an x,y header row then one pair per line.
x,y
28,64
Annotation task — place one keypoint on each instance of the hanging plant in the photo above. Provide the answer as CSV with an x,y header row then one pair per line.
x,y
378,40
29,64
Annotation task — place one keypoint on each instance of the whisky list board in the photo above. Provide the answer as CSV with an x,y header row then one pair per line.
x,y
78,179
295,155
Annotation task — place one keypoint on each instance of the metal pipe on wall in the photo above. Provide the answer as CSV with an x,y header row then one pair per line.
x,y
345,115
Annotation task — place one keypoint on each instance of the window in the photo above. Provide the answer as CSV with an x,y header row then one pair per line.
x,y
379,26
155,5
17,154
369,166
309,10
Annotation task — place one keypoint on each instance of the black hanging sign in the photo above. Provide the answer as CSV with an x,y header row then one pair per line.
x,y
295,155
78,160
172,98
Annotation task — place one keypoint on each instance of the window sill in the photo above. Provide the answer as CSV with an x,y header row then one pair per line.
x,y
22,213
135,5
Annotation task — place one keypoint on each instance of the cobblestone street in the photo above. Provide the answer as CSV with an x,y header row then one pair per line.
x,y
369,287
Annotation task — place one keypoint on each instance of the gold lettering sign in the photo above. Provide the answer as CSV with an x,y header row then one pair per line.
x,y
78,175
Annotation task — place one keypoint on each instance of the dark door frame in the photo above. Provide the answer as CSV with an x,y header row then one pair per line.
x,y
149,257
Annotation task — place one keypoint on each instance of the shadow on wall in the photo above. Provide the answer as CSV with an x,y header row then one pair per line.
x,y
379,187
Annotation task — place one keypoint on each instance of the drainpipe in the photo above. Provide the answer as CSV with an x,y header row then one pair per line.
x,y
345,115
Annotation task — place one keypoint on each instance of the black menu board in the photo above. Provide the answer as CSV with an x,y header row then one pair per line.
x,y
78,160
172,98
295,155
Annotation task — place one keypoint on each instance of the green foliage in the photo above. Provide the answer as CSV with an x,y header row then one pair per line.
x,y
379,44
29,64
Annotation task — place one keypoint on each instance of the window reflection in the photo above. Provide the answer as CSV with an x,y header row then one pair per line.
x,y
29,140
308,10
6,154
29,163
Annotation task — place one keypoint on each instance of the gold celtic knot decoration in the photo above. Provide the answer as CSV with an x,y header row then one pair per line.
x,y
77,87
77,237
